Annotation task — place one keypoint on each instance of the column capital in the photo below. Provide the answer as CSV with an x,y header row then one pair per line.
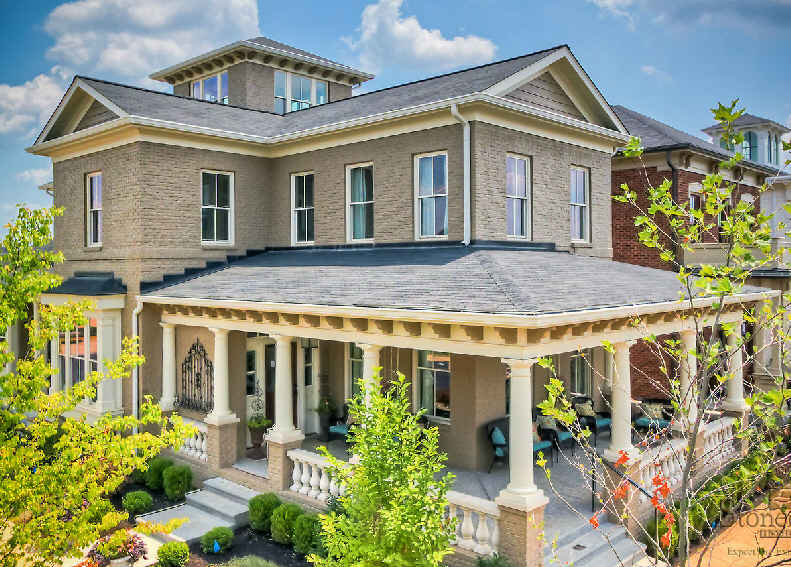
x,y
167,325
281,338
219,331
369,347
688,333
519,364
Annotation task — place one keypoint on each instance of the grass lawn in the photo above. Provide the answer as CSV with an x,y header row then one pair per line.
x,y
250,549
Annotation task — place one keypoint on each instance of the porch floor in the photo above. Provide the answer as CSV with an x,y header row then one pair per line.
x,y
566,479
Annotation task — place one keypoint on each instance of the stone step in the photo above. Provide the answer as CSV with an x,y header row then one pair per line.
x,y
198,522
229,489
588,546
220,506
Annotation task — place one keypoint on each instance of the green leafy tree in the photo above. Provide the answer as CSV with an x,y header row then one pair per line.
x,y
394,504
56,473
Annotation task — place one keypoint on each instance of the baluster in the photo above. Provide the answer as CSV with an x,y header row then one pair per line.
x,y
204,446
467,530
305,478
334,491
452,516
482,535
315,480
296,476
495,534
324,486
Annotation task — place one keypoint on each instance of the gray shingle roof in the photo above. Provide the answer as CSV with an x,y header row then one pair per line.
x,y
450,278
657,135
747,119
165,106
271,43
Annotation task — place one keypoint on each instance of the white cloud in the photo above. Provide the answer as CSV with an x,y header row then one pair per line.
x,y
122,40
35,176
617,8
387,36
652,71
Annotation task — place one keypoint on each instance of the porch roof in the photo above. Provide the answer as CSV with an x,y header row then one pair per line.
x,y
482,278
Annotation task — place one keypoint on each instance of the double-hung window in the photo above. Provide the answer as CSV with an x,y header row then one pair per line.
x,y
580,204
302,208
93,190
695,204
579,369
750,146
297,92
433,370
517,196
431,195
360,199
355,368
213,88
79,351
217,207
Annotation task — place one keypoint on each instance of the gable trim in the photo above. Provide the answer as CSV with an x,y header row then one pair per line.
x,y
539,67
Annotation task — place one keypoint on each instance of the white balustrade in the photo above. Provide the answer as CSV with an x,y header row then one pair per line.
x,y
196,447
311,476
477,523
667,461
719,443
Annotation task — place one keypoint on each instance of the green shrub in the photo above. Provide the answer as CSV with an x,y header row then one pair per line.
x,y
249,561
697,522
176,481
154,473
283,519
307,534
173,554
137,502
138,475
98,510
261,508
652,542
222,535
495,560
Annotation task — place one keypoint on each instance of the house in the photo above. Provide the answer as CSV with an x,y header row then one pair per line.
x,y
262,229
685,160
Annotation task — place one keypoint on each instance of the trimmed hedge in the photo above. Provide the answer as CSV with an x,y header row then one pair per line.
x,y
261,508
307,534
176,481
137,502
283,519
495,560
156,467
222,535
173,554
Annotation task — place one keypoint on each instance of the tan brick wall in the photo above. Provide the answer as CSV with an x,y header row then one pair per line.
x,y
551,161
182,89
252,86
339,91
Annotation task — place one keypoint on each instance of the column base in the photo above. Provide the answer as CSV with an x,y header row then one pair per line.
x,y
612,455
279,465
221,419
222,443
735,407
522,526
522,499
283,437
167,404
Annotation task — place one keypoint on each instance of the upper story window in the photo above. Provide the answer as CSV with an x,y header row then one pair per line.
x,y
750,146
774,149
217,207
302,208
431,195
433,370
360,199
726,144
517,196
580,204
213,88
93,191
296,92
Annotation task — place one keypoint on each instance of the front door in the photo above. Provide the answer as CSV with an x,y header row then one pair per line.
x,y
255,361
307,386
269,380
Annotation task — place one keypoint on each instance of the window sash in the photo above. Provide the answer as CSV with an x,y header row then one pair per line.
x,y
518,193
216,204
434,379
297,92
213,88
579,204
250,373
79,351
303,208
432,194
360,191
695,204
94,203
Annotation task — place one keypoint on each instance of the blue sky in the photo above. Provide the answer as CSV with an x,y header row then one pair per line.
x,y
671,59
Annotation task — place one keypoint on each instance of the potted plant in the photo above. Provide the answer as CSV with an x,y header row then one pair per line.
x,y
119,549
258,423
326,410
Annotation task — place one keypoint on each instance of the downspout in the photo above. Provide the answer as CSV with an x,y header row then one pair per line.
x,y
136,368
673,193
454,110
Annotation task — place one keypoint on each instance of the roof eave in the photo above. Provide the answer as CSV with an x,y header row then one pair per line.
x,y
686,146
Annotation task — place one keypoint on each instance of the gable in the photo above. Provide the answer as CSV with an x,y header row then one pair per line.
x,y
545,92
96,114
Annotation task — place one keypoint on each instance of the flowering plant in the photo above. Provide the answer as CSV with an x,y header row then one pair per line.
x,y
120,543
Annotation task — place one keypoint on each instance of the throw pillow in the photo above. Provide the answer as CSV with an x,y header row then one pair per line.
x,y
497,437
654,411
547,422
586,410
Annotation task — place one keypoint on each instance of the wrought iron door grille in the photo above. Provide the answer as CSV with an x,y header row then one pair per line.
x,y
197,380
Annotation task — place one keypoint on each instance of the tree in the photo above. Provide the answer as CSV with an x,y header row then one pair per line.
x,y
393,509
689,507
56,473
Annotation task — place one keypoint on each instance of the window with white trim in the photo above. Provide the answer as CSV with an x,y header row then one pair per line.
x,y
213,88
580,373
580,204
355,368
517,196
302,209
695,203
251,388
307,350
360,199
750,146
297,92
79,350
216,207
93,192
431,195
433,371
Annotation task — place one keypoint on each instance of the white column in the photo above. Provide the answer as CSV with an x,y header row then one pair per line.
x,y
56,380
687,377
370,364
735,385
521,491
168,399
221,413
283,430
621,400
